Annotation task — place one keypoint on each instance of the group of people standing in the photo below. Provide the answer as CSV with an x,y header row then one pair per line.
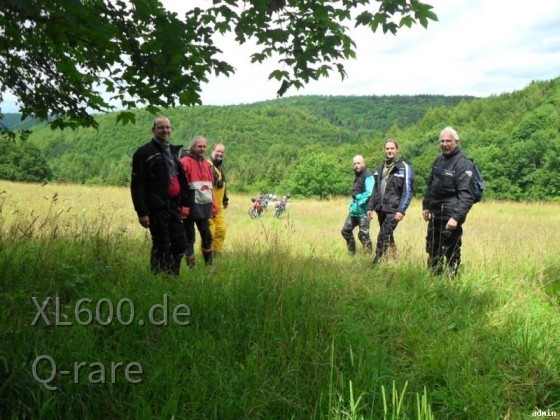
x,y
172,195
388,192
174,190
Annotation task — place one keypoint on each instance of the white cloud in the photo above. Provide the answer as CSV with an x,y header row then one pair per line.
x,y
477,47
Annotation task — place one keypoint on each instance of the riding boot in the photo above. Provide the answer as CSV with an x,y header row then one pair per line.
x,y
435,265
207,254
380,251
379,254
191,261
351,246
453,264
368,247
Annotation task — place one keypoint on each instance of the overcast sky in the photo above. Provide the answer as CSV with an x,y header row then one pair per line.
x,y
478,47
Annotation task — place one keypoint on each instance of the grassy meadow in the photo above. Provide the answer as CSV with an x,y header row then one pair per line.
x,y
284,325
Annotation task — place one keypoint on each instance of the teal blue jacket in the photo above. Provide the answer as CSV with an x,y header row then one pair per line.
x,y
363,188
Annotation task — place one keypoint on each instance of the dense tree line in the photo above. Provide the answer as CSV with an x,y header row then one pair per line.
x,y
514,139
304,145
265,141
21,161
370,115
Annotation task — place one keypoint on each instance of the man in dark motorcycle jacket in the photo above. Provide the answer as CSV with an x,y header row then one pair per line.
x,y
159,188
394,185
447,201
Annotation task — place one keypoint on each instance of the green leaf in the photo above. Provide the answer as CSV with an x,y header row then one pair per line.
x,y
126,117
153,109
406,21
364,18
278,75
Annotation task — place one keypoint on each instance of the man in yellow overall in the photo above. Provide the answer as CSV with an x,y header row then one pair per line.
x,y
218,224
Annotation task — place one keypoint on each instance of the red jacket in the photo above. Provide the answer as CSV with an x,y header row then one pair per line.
x,y
199,174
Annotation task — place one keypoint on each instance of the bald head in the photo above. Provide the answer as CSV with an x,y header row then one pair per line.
x,y
359,163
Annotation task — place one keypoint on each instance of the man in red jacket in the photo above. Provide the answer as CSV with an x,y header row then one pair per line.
x,y
201,206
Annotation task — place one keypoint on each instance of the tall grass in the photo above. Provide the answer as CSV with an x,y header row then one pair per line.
x,y
285,324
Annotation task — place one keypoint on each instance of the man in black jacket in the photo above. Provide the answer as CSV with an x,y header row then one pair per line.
x,y
394,184
159,188
447,200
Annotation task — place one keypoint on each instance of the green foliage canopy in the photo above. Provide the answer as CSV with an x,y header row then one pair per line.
x,y
319,175
59,57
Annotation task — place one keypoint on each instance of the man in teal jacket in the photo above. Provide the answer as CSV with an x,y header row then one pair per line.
x,y
357,216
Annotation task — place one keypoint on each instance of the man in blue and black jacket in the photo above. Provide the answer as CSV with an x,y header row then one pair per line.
x,y
357,215
447,200
394,183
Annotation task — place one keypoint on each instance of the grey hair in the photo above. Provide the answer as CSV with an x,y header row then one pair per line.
x,y
195,140
451,130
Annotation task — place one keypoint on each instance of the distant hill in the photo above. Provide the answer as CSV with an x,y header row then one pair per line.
x,y
370,114
258,136
13,122
304,145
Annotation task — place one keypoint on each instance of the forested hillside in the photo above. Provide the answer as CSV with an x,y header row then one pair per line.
x,y
514,138
369,115
265,141
304,145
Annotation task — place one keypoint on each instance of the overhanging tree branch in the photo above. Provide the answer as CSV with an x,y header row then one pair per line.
x,y
65,59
